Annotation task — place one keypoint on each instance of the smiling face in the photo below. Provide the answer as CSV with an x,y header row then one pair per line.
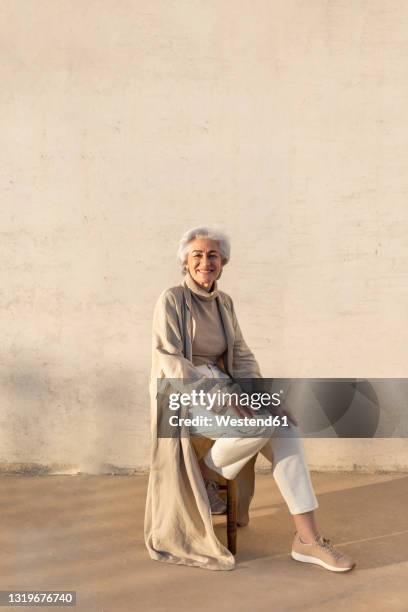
x,y
204,261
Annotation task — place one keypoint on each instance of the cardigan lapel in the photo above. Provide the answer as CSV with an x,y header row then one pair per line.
x,y
187,324
229,332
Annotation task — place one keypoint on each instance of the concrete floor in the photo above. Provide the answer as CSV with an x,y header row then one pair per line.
x,y
85,533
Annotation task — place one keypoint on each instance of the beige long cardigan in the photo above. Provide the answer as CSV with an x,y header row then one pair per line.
x,y
178,525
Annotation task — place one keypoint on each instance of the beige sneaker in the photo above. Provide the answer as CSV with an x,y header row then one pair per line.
x,y
321,552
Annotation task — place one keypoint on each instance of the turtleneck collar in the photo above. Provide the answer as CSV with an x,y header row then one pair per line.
x,y
200,291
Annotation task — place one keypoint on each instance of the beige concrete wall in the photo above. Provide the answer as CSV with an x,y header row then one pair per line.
x,y
124,123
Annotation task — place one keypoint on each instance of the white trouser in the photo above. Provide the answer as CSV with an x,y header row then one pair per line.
x,y
228,456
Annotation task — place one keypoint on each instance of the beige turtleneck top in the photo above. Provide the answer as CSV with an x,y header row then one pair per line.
x,y
209,341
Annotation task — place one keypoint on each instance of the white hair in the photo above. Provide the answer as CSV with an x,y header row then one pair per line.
x,y
203,232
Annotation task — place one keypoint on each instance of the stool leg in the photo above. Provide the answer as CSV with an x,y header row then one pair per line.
x,y
232,516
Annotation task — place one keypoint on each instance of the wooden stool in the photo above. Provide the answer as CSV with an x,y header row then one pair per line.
x,y
201,446
231,488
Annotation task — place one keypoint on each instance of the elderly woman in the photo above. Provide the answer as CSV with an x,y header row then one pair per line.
x,y
196,336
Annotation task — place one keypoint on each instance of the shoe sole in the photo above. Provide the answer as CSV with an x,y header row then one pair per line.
x,y
315,560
